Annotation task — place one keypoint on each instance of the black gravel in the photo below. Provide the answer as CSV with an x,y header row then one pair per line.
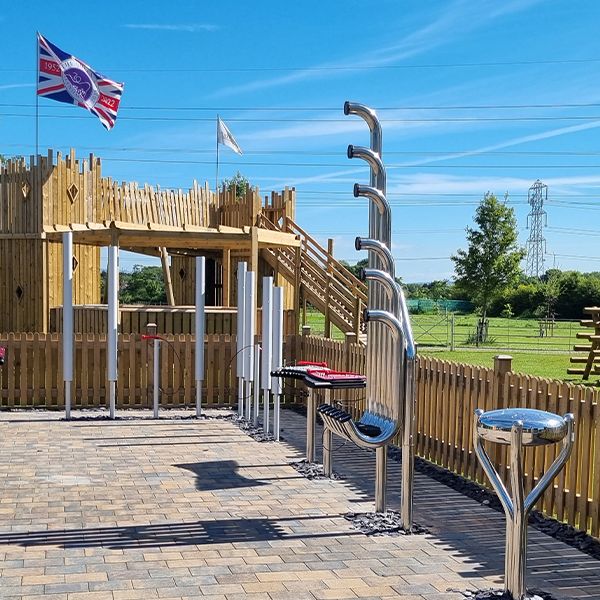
x,y
560,531
388,523
312,470
532,594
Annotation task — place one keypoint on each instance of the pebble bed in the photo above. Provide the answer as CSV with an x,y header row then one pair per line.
x,y
388,523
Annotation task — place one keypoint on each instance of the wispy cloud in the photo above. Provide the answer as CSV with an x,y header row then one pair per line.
x,y
534,137
11,86
184,27
459,18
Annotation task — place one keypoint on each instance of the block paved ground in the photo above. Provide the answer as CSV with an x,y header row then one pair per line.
x,y
177,508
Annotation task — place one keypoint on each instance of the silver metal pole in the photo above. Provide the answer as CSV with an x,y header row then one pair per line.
x,y
380,478
267,348
327,443
67,329
311,416
249,325
277,357
113,311
256,384
240,335
199,327
156,377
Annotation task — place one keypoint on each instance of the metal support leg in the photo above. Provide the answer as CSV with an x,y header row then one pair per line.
x,y
380,479
327,444
408,450
276,408
111,398
248,400
256,385
311,416
240,397
266,411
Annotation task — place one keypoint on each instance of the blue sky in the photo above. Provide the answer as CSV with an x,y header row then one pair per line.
x,y
473,96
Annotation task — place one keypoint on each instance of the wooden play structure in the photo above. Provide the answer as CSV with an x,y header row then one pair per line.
x,y
42,198
591,362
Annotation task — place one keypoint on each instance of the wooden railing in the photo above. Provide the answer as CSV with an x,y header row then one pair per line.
x,y
448,394
168,319
326,283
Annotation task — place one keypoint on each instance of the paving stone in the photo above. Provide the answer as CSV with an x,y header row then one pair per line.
x,y
142,510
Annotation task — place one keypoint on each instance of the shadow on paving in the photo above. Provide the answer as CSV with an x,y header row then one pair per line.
x,y
226,531
219,475
470,531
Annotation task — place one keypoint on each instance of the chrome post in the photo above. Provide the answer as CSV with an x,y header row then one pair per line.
x,y
327,443
311,416
520,428
381,479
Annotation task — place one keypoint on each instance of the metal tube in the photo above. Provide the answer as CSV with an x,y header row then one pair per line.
x,y
256,384
408,447
516,554
199,327
374,160
113,311
378,198
67,328
380,479
249,318
311,416
380,249
155,376
327,443
240,334
267,347
277,356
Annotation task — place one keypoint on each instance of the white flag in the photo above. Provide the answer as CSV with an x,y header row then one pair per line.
x,y
224,137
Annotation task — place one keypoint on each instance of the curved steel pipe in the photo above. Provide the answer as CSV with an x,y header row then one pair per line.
x,y
374,161
378,199
380,249
370,118
388,283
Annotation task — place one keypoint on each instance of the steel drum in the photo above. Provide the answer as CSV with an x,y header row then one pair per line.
x,y
539,427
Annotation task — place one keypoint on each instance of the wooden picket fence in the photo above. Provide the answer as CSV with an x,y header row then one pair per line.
x,y
448,394
32,374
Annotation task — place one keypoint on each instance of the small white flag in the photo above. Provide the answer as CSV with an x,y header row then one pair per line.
x,y
224,137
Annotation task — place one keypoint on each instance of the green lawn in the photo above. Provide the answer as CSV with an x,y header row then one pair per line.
x,y
543,356
549,364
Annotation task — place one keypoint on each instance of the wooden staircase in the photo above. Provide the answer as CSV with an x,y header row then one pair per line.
x,y
323,281
591,362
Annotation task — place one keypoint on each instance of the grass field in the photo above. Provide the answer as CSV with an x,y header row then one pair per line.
x,y
543,356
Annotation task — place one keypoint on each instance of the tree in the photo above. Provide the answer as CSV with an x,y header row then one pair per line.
x,y
490,264
144,285
238,183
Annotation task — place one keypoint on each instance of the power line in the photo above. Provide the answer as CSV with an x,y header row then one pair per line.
x,y
324,120
332,68
337,108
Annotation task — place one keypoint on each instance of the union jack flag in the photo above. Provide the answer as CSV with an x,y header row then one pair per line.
x,y
65,78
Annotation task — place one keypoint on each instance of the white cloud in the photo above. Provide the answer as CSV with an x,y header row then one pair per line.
x,y
11,86
461,17
187,27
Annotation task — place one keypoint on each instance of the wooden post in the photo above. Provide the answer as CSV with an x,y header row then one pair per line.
x,y
164,259
329,276
297,286
253,266
502,365
226,263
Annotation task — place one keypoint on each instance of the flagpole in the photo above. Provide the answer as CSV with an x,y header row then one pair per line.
x,y
37,98
217,172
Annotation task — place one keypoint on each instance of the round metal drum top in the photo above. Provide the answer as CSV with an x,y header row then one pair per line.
x,y
539,427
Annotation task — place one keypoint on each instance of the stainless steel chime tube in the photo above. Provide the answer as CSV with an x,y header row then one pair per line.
x,y
520,428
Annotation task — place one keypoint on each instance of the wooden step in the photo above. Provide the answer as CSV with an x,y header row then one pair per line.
x,y
581,348
574,371
587,323
579,359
